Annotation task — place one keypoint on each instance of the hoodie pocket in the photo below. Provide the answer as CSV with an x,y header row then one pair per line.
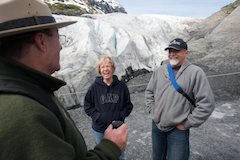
x,y
95,117
104,118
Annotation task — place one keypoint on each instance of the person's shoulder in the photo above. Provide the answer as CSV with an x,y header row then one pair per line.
x,y
21,113
20,108
195,67
160,68
195,70
121,84
19,102
96,82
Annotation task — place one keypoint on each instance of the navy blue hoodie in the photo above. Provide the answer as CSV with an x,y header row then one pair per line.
x,y
107,103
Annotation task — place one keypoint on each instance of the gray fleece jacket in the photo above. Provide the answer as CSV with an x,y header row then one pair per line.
x,y
169,108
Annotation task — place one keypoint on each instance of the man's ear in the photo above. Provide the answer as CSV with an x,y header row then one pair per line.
x,y
40,41
186,52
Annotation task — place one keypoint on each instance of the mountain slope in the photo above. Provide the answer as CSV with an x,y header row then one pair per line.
x,y
79,7
215,42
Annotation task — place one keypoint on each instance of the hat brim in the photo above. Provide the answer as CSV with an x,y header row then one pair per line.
x,y
34,28
173,48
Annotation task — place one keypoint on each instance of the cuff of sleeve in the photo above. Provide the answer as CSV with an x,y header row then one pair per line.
x,y
187,124
111,146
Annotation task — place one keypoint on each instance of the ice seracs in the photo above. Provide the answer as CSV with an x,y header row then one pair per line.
x,y
131,40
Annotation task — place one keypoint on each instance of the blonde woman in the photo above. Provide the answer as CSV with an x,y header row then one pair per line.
x,y
107,99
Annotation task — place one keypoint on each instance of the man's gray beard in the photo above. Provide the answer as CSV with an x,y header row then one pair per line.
x,y
173,62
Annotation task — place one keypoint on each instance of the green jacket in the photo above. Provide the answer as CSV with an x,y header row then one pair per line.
x,y
29,131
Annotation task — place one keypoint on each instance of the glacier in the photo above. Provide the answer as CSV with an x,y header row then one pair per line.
x,y
130,40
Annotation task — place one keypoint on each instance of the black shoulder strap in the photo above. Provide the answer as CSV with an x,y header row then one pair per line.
x,y
17,87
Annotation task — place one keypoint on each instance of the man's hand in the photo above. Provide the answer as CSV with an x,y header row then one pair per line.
x,y
118,136
181,127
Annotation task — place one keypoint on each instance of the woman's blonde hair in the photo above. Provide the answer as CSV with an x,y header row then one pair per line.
x,y
104,60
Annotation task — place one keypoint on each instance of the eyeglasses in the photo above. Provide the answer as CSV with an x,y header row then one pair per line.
x,y
62,39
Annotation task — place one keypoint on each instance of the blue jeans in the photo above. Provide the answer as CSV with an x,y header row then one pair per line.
x,y
172,145
98,136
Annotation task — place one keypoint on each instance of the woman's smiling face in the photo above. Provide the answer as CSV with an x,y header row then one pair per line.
x,y
106,70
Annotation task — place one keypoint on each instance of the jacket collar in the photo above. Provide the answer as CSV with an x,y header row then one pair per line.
x,y
10,69
183,67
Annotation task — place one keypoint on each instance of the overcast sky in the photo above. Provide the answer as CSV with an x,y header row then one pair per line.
x,y
185,8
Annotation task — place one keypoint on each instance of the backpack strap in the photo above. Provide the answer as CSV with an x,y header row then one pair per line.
x,y
18,87
176,86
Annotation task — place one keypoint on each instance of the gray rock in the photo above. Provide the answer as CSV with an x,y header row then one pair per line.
x,y
218,46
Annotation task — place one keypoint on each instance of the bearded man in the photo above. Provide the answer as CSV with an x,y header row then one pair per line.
x,y
172,113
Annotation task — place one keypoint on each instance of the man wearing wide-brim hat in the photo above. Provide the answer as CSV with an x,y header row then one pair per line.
x,y
29,54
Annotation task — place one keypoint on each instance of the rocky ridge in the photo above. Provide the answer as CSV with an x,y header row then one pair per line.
x,y
214,43
80,7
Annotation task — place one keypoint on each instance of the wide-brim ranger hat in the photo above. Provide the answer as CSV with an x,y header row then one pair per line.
x,y
21,16
177,44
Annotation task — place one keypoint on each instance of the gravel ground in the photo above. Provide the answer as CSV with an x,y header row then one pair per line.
x,y
217,139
